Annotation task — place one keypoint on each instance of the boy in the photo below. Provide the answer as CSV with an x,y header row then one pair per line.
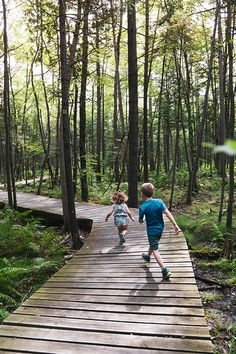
x,y
153,210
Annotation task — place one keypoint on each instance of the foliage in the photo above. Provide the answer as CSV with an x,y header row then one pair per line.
x,y
210,297
30,254
25,236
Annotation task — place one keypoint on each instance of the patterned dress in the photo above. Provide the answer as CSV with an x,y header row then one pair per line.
x,y
120,215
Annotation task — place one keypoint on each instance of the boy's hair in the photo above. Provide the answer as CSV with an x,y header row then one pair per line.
x,y
147,189
119,197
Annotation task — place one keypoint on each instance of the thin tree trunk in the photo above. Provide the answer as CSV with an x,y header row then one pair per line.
x,y
75,139
66,171
229,39
6,111
222,114
98,71
133,106
145,98
82,141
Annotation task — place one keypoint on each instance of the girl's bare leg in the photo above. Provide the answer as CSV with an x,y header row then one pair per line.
x,y
124,230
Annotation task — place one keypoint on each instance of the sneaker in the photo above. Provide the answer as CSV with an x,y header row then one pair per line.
x,y
146,257
166,274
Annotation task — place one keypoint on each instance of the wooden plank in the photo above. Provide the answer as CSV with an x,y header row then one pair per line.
x,y
120,279
125,340
121,285
122,292
137,300
106,307
125,273
107,316
109,326
52,347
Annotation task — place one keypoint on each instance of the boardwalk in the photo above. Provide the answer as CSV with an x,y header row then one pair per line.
x,y
105,300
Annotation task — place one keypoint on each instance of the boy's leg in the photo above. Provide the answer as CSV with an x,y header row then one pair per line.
x,y
158,258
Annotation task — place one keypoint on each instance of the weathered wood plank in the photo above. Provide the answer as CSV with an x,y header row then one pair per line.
x,y
130,308
110,326
122,292
137,300
121,285
115,316
122,340
52,347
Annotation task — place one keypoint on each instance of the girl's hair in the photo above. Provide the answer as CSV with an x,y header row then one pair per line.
x,y
119,197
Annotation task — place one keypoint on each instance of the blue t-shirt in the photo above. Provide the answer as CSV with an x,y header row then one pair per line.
x,y
153,209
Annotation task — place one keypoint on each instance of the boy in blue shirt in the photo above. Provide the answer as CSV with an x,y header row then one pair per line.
x,y
153,210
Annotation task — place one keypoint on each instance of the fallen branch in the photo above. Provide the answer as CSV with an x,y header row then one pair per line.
x,y
213,282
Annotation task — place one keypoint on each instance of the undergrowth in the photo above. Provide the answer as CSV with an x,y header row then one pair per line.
x,y
30,253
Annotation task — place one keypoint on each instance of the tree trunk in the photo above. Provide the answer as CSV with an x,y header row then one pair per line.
x,y
133,106
230,42
145,95
75,140
222,114
83,161
99,125
6,112
66,171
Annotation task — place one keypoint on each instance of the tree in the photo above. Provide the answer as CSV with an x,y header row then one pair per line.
x,y
133,105
7,122
84,74
65,160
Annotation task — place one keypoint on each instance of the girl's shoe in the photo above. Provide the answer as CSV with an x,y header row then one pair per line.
x,y
166,274
146,257
122,239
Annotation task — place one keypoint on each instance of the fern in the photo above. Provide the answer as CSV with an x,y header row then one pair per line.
x,y
7,300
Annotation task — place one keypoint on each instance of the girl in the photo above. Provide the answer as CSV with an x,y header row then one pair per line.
x,y
121,213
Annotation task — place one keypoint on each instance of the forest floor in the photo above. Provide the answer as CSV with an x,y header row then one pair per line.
x,y
216,276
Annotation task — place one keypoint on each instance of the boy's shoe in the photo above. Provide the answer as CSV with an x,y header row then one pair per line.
x,y
146,257
166,274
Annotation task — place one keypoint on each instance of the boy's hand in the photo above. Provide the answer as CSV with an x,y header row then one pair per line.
x,y
132,219
106,220
177,229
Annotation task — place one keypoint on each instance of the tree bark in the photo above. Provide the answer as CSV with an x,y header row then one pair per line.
x,y
83,161
145,94
6,112
99,123
66,171
133,106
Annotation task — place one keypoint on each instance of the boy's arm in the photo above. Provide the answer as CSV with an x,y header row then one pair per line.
x,y
129,213
110,212
172,220
141,215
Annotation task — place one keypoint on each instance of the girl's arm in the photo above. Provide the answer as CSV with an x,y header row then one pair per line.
x,y
129,213
110,212
171,218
